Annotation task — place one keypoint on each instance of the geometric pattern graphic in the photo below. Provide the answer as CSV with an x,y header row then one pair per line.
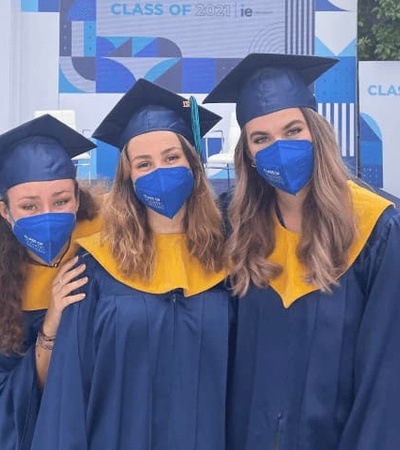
x,y
326,5
371,154
335,36
300,27
160,59
118,60
106,46
342,118
136,46
77,74
337,99
40,5
379,92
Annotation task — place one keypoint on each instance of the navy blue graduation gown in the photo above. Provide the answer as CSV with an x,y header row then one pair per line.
x,y
133,370
323,374
19,391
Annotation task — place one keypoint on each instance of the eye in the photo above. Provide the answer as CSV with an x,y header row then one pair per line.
x,y
259,140
144,165
62,202
29,207
294,131
173,157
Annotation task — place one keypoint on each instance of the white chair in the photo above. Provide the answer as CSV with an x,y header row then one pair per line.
x,y
66,116
225,160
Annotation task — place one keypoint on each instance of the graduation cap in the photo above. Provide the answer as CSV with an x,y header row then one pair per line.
x,y
39,150
148,107
263,83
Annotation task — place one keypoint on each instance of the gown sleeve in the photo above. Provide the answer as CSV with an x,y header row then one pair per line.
x,y
20,393
61,420
374,419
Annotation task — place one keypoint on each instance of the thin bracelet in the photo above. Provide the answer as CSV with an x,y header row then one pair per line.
x,y
44,341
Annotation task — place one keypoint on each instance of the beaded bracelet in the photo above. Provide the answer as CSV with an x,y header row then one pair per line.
x,y
44,341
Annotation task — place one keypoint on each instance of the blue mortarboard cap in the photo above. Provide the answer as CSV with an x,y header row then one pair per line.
x,y
39,150
263,83
147,107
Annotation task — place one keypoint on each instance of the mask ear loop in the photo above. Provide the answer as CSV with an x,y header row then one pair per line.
x,y
195,120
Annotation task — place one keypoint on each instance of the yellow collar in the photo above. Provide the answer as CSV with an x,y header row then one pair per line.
x,y
37,290
290,285
175,268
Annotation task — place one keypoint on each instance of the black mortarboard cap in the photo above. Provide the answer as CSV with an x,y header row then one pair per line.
x,y
148,107
263,83
39,150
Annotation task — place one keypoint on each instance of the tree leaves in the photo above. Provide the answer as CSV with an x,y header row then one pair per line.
x,y
378,30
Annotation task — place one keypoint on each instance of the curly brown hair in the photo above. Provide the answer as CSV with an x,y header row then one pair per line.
x,y
13,271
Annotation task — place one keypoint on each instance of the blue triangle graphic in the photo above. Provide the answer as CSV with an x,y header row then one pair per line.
x,y
142,46
321,49
155,72
350,50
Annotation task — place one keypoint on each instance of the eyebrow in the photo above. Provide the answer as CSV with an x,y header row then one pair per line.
x,y
63,192
37,197
286,127
164,152
28,197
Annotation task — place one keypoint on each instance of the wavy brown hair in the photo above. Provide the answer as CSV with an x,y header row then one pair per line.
x,y
127,229
13,272
328,219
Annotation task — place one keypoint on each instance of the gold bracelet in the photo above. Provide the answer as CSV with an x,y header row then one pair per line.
x,y
44,341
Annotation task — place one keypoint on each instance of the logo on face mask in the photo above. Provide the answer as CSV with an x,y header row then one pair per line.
x,y
286,164
45,234
165,190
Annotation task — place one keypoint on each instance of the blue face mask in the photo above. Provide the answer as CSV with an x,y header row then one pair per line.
x,y
165,190
45,234
286,164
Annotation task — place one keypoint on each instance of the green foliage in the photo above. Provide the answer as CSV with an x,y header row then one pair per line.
x,y
379,30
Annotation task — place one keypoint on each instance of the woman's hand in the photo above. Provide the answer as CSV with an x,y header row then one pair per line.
x,y
66,281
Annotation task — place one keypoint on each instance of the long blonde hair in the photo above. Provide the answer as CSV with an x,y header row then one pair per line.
x,y
328,220
127,228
